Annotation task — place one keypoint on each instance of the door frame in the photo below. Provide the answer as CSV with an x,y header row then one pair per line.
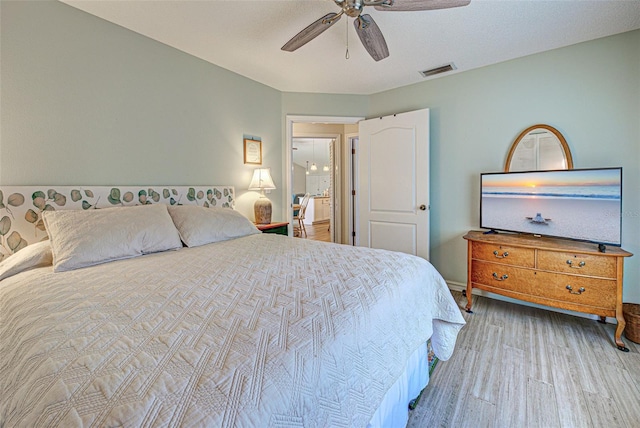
x,y
288,161
336,188
350,152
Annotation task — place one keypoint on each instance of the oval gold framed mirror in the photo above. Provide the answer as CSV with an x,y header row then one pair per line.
x,y
539,147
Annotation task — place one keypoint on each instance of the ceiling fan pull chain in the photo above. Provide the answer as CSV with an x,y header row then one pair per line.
x,y
346,55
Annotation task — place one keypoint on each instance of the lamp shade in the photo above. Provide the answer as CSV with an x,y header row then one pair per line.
x,y
261,179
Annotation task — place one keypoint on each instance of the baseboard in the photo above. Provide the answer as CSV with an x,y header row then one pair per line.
x,y
457,286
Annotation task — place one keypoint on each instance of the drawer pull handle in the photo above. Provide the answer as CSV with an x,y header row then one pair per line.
x,y
500,278
505,254
580,290
580,265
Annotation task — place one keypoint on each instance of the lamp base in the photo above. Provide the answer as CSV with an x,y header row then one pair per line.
x,y
262,210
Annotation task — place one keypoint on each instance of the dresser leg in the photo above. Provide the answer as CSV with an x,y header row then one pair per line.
x,y
618,334
467,293
602,320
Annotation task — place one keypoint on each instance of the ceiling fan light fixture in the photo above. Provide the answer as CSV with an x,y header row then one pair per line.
x,y
438,70
366,28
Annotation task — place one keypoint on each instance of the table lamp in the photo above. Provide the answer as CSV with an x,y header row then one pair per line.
x,y
262,181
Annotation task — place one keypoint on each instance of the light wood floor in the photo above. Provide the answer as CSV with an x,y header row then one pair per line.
x,y
516,366
317,232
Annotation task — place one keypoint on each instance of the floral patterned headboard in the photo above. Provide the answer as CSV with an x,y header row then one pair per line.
x,y
21,207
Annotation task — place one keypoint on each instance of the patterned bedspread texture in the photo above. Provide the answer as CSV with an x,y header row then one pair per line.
x,y
263,330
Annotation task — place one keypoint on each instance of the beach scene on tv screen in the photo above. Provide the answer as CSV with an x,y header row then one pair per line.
x,y
577,204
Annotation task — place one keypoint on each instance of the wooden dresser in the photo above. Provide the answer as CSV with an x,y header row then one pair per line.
x,y
554,272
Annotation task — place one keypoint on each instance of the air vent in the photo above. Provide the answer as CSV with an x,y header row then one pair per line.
x,y
438,70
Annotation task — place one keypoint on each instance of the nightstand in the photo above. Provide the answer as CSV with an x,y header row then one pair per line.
x,y
277,228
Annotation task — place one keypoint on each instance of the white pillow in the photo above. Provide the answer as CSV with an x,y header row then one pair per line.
x,y
89,237
198,225
31,256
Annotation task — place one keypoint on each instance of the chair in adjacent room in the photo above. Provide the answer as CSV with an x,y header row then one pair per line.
x,y
297,198
299,217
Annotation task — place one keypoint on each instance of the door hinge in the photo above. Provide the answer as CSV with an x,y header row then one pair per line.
x,y
353,234
353,151
353,193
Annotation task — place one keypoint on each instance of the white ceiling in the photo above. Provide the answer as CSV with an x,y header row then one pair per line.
x,y
245,36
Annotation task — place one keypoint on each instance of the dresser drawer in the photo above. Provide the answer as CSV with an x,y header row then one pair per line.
x,y
600,293
578,264
503,254
504,277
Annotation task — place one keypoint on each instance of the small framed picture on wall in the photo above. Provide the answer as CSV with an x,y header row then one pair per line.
x,y
252,151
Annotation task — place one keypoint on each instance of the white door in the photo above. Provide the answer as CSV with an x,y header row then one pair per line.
x,y
392,186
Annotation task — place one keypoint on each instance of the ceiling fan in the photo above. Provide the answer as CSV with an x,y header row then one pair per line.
x,y
367,29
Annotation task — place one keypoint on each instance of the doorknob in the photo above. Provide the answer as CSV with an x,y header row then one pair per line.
x,y
423,207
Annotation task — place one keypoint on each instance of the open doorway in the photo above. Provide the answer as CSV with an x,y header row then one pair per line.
x,y
334,129
313,190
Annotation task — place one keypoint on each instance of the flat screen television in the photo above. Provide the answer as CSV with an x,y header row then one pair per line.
x,y
580,204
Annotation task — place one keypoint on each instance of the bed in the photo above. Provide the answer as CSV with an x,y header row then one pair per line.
x,y
224,327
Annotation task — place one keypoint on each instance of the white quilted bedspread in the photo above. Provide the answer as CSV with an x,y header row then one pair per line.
x,y
260,331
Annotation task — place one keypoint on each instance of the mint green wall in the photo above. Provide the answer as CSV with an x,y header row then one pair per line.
x,y
590,92
85,101
308,104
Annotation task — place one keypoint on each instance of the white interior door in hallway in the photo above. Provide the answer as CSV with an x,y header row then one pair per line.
x,y
392,186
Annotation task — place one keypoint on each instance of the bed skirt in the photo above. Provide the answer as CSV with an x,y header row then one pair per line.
x,y
394,409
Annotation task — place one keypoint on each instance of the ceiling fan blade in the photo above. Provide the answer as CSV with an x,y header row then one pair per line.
x,y
311,32
411,5
371,37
